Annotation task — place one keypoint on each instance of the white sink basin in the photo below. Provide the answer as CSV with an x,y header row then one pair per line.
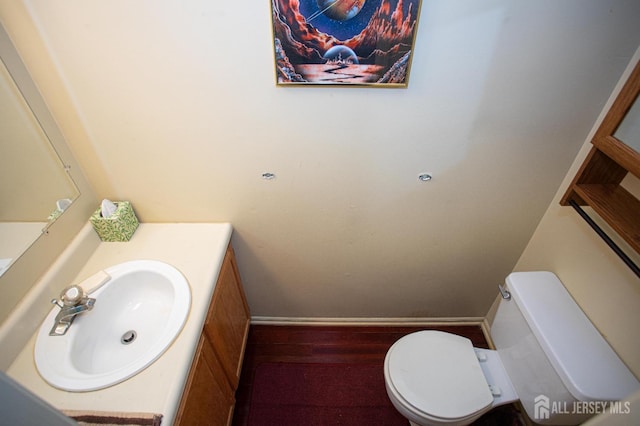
x,y
137,315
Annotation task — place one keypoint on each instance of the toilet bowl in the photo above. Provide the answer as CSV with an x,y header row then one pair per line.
x,y
548,352
437,378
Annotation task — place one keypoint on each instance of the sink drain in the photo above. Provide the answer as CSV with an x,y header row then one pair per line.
x,y
128,337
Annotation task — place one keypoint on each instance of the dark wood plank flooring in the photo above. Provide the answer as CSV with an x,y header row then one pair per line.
x,y
330,344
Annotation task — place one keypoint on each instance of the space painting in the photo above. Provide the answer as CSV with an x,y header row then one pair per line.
x,y
344,42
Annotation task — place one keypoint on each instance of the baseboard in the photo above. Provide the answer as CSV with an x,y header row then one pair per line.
x,y
486,330
260,320
394,322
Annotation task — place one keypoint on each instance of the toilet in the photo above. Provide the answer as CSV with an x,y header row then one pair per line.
x,y
549,356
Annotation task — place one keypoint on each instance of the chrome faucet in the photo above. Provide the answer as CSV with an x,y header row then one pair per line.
x,y
72,303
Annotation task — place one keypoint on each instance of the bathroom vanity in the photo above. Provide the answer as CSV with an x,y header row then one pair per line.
x,y
209,395
195,379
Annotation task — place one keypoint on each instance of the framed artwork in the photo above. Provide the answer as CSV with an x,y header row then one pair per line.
x,y
344,42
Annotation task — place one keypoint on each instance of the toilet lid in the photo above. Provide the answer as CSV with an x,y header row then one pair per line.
x,y
438,374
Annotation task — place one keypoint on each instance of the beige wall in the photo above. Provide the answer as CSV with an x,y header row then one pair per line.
x,y
172,105
598,280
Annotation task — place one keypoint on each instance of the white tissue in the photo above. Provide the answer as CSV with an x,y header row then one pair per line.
x,y
107,208
63,203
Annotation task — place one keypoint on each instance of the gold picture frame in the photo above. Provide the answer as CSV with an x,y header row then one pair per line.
x,y
344,42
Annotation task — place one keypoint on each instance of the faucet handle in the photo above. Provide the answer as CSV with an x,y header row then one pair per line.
x,y
57,303
71,295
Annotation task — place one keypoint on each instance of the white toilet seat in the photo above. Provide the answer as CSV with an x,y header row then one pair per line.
x,y
437,377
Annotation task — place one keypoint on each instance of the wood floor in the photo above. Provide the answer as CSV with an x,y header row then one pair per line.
x,y
331,344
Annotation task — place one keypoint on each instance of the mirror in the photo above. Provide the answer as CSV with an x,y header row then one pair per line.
x,y
629,130
35,187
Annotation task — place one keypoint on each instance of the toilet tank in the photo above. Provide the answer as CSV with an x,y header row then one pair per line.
x,y
559,364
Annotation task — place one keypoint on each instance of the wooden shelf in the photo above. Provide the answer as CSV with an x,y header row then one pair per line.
x,y
619,208
597,182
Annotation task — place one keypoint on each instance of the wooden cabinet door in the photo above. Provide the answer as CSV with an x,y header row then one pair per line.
x,y
208,398
227,324
209,395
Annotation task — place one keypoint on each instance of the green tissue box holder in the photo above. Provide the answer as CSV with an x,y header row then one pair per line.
x,y
120,226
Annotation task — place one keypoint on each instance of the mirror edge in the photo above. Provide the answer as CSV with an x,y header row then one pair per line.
x,y
28,268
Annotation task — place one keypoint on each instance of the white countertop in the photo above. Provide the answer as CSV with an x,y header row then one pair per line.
x,y
196,250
